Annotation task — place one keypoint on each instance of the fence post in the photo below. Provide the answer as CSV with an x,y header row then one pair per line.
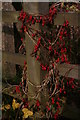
x,y
35,74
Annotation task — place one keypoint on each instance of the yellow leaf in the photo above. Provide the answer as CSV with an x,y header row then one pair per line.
x,y
7,106
15,105
26,113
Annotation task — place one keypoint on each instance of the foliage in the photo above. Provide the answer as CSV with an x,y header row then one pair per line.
x,y
52,47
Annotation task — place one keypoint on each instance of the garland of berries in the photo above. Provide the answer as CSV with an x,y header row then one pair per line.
x,y
51,48
51,45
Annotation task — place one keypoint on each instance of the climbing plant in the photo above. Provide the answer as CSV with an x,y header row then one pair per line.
x,y
52,46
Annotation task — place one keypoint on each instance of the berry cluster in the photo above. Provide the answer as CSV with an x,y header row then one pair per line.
x,y
52,47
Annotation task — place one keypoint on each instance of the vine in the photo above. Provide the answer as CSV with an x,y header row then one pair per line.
x,y
52,47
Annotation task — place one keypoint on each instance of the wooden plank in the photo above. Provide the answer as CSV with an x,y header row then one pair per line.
x,y
72,70
10,16
63,68
14,58
72,17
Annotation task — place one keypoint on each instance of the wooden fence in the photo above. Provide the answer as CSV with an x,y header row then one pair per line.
x,y
12,16
34,72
